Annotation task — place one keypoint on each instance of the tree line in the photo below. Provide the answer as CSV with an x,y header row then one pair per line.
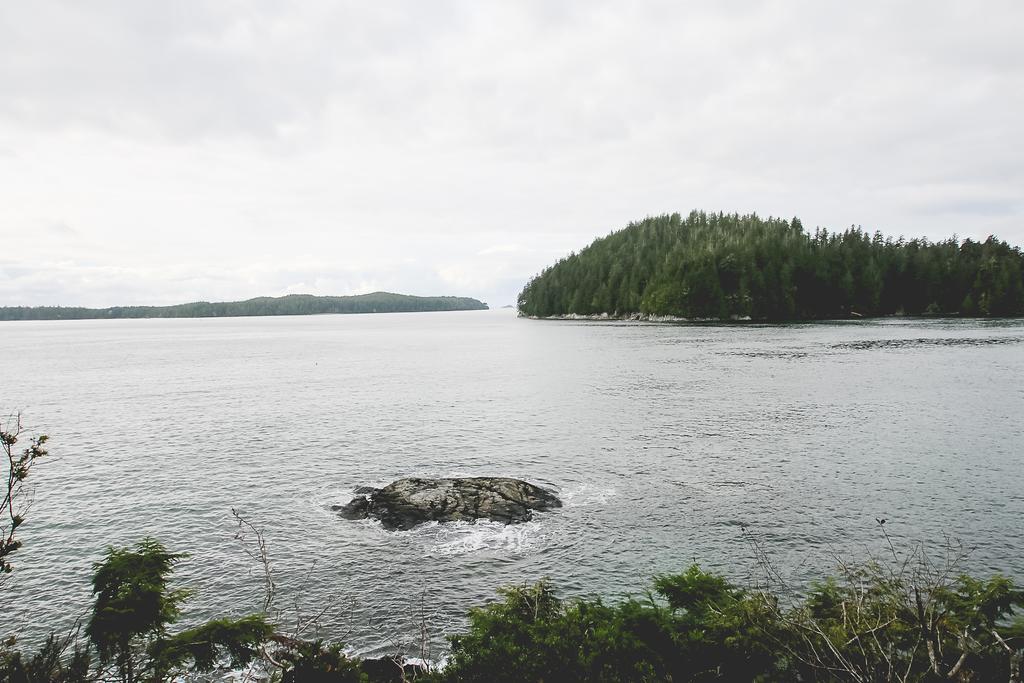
x,y
293,304
727,266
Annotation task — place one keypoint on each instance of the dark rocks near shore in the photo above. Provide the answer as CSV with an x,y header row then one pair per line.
x,y
391,669
406,503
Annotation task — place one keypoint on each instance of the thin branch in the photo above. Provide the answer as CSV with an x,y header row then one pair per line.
x,y
259,554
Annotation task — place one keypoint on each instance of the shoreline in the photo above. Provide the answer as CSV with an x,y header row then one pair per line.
x,y
649,318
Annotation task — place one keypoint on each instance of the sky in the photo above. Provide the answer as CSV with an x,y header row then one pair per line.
x,y
164,152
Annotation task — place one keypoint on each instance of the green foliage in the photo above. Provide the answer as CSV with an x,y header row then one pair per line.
x,y
205,647
924,625
908,621
696,591
52,664
719,266
870,624
317,662
134,607
133,602
708,631
293,304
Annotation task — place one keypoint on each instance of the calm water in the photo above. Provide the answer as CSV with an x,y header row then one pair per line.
x,y
662,439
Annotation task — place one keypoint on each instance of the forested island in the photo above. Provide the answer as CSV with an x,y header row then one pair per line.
x,y
728,266
293,304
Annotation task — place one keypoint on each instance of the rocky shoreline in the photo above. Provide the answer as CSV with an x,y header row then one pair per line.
x,y
638,317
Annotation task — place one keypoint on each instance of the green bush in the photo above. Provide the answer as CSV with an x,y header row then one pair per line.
x,y
871,623
907,621
317,662
52,664
694,627
134,608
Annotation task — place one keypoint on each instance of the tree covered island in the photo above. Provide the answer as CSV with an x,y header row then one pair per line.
x,y
293,304
728,266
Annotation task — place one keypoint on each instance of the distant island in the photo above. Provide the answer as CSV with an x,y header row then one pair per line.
x,y
730,267
293,304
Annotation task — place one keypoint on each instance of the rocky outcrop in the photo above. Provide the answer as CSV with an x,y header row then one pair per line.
x,y
407,502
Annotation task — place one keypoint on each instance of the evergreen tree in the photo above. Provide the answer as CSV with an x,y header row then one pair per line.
x,y
725,266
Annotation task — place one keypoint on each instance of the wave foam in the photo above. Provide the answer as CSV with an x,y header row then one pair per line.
x,y
464,538
586,494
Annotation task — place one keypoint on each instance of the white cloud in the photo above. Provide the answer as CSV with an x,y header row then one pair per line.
x,y
500,249
225,149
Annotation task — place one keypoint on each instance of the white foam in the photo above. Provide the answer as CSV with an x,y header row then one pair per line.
x,y
465,538
428,664
582,495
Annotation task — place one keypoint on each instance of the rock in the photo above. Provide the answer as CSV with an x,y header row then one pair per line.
x,y
405,503
357,508
390,670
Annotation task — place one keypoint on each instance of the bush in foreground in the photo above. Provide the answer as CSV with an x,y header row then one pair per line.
x,y
905,621
867,625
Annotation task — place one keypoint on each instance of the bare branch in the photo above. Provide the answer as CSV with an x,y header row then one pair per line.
x,y
259,554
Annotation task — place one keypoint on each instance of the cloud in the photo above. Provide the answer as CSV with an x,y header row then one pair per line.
x,y
500,249
62,229
461,143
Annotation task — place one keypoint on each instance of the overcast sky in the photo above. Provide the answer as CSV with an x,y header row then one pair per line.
x,y
161,152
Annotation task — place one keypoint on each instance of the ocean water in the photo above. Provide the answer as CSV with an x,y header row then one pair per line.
x,y
669,444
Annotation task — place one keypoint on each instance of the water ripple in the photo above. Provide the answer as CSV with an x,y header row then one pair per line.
x,y
668,444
